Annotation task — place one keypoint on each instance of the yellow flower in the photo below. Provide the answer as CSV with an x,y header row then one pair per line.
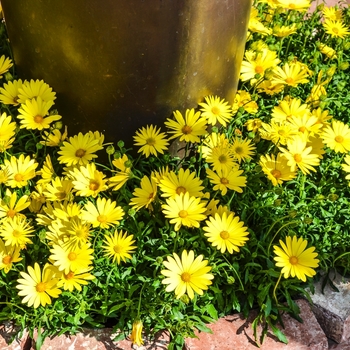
x,y
123,175
300,156
242,149
34,89
136,333
68,258
119,246
54,138
244,99
80,150
337,136
276,169
295,259
9,92
20,170
210,141
105,214
11,206
278,133
145,195
258,63
38,287
88,181
270,88
222,157
290,74
346,166
288,108
216,110
47,171
8,256
187,129
185,181
59,189
297,5
75,279
337,29
186,275
77,230
16,231
226,232
5,64
225,179
184,210
332,13
7,129
306,124
33,114
328,51
283,31
151,140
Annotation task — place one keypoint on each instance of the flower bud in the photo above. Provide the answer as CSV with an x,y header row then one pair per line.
x,y
110,149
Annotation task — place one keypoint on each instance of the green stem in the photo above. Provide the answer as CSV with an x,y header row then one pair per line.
x,y
139,305
240,281
282,227
274,290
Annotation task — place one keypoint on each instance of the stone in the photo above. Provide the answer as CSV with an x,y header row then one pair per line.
x,y
11,339
235,332
342,346
101,339
332,308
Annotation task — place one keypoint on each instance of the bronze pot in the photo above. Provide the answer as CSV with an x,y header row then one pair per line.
x,y
119,65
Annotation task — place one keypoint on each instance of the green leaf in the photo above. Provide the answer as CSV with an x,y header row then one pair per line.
x,y
210,309
278,333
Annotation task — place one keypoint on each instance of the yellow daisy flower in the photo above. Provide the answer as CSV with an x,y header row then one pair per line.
x,y
186,275
54,138
123,175
297,5
295,259
332,13
11,205
306,125
151,140
34,114
244,99
105,214
75,279
346,166
136,333
119,246
8,256
20,170
47,172
79,150
288,108
88,181
270,88
68,258
227,179
276,169
7,127
184,210
34,89
145,195
210,141
9,92
242,149
328,51
284,31
216,110
337,136
300,156
226,232
187,129
185,181
337,29
278,133
5,64
16,231
59,189
291,74
38,287
222,157
77,231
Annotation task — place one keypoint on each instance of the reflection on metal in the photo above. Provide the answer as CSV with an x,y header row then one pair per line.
x,y
119,65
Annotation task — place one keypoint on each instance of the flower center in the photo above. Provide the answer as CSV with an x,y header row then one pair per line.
x,y
11,213
186,277
183,214
289,80
298,158
102,218
80,153
16,233
339,139
259,69
335,30
239,150
224,181
186,130
80,233
181,189
222,159
117,249
276,173
40,287
293,260
215,110
151,195
7,259
291,6
281,132
72,256
61,195
302,129
94,185
38,119
18,177
224,234
151,141
69,276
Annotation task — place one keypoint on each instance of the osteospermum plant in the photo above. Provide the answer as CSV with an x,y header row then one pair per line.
x,y
150,240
